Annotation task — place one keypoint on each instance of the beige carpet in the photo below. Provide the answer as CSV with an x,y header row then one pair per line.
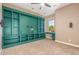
x,y
41,47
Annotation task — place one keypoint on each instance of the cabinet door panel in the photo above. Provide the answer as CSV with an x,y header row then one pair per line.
x,y
7,28
15,29
11,41
24,24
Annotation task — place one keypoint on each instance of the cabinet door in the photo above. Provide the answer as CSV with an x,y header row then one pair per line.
x,y
39,25
42,25
33,25
10,27
7,26
24,27
15,27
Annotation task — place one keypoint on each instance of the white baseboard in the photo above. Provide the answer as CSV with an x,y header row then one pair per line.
x,y
68,43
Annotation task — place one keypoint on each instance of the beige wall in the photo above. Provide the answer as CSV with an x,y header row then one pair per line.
x,y
63,17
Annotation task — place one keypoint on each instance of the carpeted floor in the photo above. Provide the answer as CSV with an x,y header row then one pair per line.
x,y
41,47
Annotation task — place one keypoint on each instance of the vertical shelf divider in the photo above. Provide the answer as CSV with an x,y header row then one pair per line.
x,y
11,24
19,27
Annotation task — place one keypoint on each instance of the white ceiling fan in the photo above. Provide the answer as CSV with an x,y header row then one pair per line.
x,y
46,4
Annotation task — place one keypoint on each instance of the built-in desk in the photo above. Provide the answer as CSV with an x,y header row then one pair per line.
x,y
52,34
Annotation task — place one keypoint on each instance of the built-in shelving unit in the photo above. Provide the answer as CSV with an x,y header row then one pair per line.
x,y
20,27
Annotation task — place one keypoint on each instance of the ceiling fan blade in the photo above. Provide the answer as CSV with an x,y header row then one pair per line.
x,y
47,5
44,4
35,3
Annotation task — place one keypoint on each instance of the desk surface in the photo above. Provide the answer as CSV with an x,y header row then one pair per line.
x,y
50,32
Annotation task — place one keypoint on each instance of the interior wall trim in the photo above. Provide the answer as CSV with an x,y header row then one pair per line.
x,y
67,43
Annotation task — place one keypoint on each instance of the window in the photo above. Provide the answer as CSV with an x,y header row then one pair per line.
x,y
51,25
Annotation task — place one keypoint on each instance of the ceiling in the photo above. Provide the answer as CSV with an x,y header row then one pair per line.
x,y
41,9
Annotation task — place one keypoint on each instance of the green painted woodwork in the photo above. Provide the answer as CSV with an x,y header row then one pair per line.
x,y
52,35
20,27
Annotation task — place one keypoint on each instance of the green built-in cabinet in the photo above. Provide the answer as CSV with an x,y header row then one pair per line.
x,y
20,27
